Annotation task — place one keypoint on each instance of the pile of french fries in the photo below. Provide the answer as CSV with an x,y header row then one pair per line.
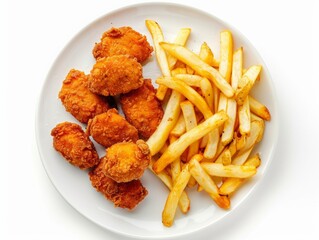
x,y
211,122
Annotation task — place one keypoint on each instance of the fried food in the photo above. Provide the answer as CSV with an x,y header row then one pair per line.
x,y
142,109
114,75
124,195
78,99
127,161
110,128
75,146
122,41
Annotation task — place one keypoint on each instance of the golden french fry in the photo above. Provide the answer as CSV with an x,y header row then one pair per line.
x,y
207,91
208,184
240,158
184,202
192,181
188,92
169,211
178,70
172,111
244,117
181,39
230,185
218,169
237,68
176,165
191,59
226,54
206,54
179,127
226,157
200,103
259,109
246,82
179,146
229,125
157,36
257,127
203,83
190,122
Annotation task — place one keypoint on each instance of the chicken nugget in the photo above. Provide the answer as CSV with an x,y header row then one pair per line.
x,y
75,146
116,74
122,41
78,99
127,161
142,109
124,195
110,128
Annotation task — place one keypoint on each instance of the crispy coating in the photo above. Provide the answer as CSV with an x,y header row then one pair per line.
x,y
110,128
142,109
114,75
122,41
78,99
124,195
127,161
75,146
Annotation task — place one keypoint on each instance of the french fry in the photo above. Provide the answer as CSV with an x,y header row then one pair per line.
x,y
172,111
226,54
157,36
184,202
218,169
207,91
203,83
169,211
192,60
259,109
240,158
179,127
244,117
229,126
178,70
208,184
206,54
181,39
190,122
200,103
251,139
237,68
176,165
246,82
230,185
179,146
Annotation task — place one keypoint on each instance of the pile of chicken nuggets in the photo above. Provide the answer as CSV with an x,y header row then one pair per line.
x,y
90,98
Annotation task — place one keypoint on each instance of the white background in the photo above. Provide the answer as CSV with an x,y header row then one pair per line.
x,y
286,204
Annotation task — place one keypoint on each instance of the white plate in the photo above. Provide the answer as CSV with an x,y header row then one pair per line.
x,y
74,185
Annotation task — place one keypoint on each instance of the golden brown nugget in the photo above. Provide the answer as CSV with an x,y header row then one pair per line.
x,y
75,146
122,41
142,109
115,75
78,99
124,195
127,161
110,128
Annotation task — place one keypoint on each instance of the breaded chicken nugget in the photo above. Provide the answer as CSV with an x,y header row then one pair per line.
x,y
122,41
116,74
142,109
110,128
124,195
127,161
78,99
75,146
